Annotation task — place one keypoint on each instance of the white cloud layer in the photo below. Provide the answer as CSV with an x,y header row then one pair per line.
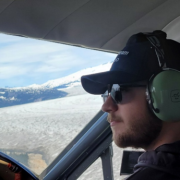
x,y
27,57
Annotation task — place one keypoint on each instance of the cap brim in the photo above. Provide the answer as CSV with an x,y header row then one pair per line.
x,y
97,83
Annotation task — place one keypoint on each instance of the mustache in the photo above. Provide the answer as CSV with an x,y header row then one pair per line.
x,y
109,118
113,118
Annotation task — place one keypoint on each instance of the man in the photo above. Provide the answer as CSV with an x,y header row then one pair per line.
x,y
142,97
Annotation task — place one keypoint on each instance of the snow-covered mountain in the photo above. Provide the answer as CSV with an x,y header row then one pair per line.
x,y
72,79
11,97
66,86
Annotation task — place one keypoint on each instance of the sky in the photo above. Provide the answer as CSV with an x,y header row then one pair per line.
x,y
25,61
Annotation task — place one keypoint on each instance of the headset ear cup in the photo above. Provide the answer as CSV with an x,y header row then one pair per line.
x,y
164,94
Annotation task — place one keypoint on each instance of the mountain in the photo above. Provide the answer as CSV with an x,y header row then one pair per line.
x,y
66,86
12,96
73,79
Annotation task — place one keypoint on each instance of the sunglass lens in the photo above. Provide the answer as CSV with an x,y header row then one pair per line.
x,y
115,94
118,96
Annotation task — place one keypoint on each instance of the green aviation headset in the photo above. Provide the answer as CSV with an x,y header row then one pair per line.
x,y
163,91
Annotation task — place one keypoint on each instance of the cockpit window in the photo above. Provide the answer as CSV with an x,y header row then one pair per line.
x,y
42,104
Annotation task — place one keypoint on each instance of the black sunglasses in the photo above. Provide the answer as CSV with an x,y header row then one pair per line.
x,y
115,91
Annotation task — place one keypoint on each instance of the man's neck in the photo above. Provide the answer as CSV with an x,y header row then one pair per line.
x,y
170,133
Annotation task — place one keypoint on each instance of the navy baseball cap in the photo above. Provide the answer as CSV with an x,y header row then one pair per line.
x,y
137,61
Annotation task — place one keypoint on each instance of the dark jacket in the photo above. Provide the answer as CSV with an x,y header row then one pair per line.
x,y
162,163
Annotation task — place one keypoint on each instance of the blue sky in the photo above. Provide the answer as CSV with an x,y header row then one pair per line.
x,y
25,61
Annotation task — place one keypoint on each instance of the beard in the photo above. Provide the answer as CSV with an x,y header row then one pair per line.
x,y
141,132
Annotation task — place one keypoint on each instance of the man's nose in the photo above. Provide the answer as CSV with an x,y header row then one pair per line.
x,y
109,105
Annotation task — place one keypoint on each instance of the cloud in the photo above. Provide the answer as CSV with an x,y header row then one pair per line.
x,y
111,55
66,59
49,69
25,58
21,56
5,38
10,71
29,51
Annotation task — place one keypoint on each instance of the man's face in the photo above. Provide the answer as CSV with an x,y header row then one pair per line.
x,y
132,122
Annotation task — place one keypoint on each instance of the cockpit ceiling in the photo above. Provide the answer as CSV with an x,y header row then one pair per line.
x,y
95,24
